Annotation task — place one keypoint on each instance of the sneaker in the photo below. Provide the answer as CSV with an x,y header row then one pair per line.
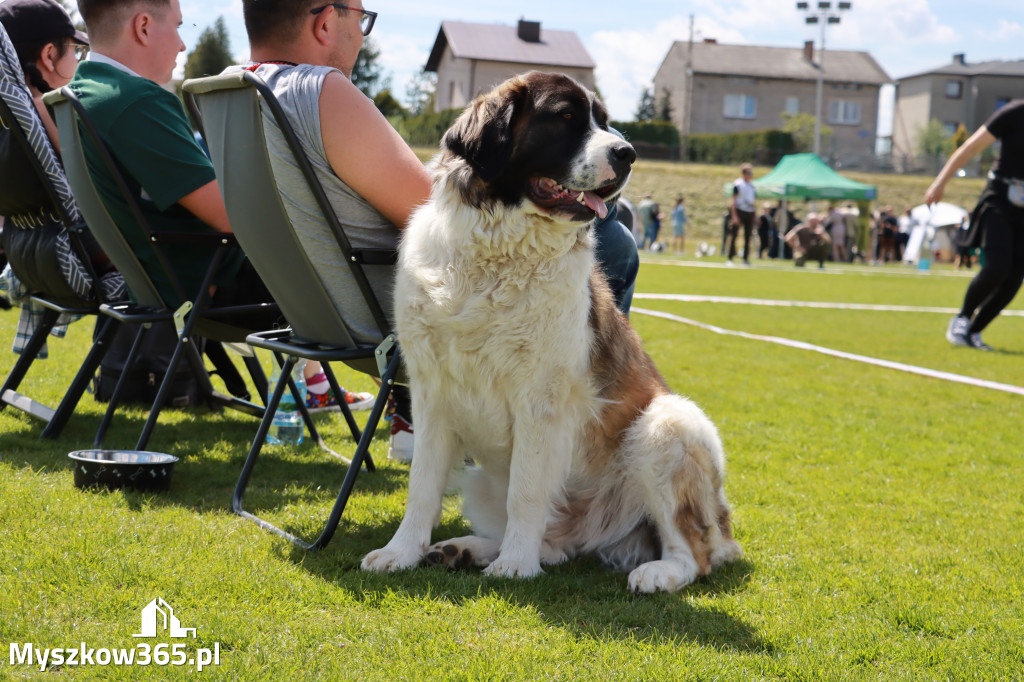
x,y
402,439
322,402
957,332
974,341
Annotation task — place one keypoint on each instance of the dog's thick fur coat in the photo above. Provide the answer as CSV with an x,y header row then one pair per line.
x,y
519,361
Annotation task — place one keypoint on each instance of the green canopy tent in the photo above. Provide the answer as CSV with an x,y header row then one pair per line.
x,y
805,176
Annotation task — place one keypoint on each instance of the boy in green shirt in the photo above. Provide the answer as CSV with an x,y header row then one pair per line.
x,y
134,46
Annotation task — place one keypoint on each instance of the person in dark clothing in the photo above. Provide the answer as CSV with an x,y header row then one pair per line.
x,y
997,223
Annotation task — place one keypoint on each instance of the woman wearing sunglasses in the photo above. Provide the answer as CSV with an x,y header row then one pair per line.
x,y
48,46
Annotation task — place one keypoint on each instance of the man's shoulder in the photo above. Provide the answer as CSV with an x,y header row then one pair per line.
x,y
106,89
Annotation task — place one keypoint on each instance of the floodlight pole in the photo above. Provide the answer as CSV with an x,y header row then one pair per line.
x,y
824,15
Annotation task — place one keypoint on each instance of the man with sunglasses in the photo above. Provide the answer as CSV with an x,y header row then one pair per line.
x,y
305,52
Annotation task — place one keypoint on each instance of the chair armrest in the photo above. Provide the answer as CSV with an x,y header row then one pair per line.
x,y
375,256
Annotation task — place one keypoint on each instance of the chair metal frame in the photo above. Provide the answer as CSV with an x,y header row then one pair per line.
x,y
381,359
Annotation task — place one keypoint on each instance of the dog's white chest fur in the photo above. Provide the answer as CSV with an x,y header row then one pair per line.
x,y
492,330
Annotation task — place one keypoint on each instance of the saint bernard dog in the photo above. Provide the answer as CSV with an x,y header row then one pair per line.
x,y
520,363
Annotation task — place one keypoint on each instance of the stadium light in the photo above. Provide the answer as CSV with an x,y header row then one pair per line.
x,y
823,15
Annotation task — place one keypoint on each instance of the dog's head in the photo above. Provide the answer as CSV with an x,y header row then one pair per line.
x,y
539,140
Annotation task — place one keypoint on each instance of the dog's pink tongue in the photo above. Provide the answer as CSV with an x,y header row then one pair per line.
x,y
595,204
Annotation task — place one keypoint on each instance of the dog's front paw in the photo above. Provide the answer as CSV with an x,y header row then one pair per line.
x,y
388,559
508,568
662,576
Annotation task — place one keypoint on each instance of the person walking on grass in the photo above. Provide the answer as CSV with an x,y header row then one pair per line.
x,y
997,224
679,221
741,212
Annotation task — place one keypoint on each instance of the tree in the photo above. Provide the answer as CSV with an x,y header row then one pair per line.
x,y
663,107
960,136
367,73
645,108
388,105
420,92
934,141
801,128
212,54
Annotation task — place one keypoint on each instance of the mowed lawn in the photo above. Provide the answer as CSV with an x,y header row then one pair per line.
x,y
880,513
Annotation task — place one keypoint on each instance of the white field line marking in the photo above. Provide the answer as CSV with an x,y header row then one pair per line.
x,y
907,270
694,298
912,369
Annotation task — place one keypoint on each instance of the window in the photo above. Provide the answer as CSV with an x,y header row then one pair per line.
x,y
740,106
792,105
842,112
954,89
950,127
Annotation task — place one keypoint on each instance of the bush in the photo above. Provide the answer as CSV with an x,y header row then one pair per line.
x,y
426,129
762,147
651,139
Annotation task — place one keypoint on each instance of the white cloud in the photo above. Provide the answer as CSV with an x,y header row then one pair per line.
x,y
1005,30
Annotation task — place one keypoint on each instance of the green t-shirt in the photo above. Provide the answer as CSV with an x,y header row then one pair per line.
x,y
147,133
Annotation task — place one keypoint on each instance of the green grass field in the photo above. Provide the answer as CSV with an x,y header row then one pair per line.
x,y
880,513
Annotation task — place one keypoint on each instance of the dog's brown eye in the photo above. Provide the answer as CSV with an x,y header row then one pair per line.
x,y
567,115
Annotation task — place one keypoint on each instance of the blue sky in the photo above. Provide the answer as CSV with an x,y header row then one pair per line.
x,y
628,40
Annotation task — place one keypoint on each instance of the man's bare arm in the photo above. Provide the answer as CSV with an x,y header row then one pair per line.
x,y
207,204
368,154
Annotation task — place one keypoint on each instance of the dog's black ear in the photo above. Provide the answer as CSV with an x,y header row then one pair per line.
x,y
484,134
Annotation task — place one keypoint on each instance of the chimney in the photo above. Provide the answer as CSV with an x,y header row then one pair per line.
x,y
711,41
960,58
809,50
529,31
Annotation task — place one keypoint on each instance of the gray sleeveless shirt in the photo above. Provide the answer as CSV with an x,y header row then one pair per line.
x,y
298,90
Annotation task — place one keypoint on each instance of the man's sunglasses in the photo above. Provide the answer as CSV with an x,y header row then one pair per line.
x,y
365,20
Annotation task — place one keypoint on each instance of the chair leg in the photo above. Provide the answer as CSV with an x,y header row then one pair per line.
x,y
165,388
342,404
233,381
361,454
27,357
108,327
115,397
256,373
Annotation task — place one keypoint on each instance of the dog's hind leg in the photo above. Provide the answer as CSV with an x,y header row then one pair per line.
x,y
434,454
687,505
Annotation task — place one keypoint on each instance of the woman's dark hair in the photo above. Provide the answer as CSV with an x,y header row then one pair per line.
x,y
29,52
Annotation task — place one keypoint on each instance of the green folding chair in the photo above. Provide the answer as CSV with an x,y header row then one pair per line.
x,y
231,109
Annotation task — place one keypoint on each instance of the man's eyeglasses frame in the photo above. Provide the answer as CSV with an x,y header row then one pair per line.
x,y
366,21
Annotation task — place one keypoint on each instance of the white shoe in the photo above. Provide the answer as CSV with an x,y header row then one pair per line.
x,y
956,334
402,440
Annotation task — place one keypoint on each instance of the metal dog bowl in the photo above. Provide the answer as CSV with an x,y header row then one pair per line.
x,y
113,469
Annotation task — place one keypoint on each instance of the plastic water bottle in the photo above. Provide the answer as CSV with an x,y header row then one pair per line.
x,y
924,258
287,427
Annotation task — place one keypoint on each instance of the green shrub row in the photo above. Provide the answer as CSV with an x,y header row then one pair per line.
x,y
653,132
426,129
763,147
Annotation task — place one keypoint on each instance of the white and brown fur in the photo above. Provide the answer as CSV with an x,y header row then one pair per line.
x,y
519,361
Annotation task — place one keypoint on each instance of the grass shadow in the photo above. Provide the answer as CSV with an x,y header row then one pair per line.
x,y
580,596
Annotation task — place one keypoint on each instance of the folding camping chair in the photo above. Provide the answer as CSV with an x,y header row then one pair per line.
x,y
193,317
230,107
19,117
